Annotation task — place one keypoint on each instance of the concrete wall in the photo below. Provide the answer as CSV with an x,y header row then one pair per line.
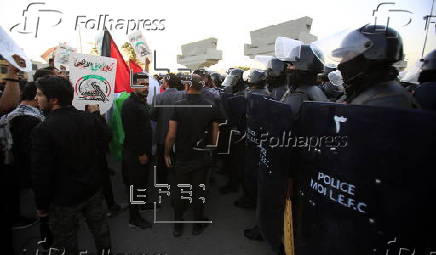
x,y
263,40
200,54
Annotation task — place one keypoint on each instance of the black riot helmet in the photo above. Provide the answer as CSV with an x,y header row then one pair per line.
x,y
307,58
276,68
428,68
236,72
386,44
231,81
306,63
368,48
257,78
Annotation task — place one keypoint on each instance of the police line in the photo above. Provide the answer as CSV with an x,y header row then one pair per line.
x,y
372,196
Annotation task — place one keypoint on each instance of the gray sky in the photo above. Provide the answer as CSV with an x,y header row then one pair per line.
x,y
229,21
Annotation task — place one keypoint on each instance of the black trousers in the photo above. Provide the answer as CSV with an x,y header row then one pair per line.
x,y
6,208
13,188
162,170
107,186
190,180
137,175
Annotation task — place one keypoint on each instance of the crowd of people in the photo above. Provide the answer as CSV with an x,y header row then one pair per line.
x,y
60,152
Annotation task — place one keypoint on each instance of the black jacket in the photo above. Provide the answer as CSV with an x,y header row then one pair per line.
x,y
66,153
137,127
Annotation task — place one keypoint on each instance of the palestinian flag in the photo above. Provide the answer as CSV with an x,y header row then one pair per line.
x,y
110,49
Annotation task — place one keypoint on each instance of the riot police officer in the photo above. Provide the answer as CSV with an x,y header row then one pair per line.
x,y
302,72
426,92
233,82
276,77
366,58
257,83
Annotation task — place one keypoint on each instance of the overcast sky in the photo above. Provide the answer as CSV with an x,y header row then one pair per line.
x,y
229,21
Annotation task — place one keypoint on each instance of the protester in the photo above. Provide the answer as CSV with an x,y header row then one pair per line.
x,y
161,113
8,101
20,122
186,132
66,168
137,153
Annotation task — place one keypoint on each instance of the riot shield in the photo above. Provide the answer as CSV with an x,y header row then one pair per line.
x,y
234,109
271,122
253,132
364,184
237,107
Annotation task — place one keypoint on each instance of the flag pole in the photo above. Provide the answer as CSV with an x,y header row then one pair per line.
x,y
80,41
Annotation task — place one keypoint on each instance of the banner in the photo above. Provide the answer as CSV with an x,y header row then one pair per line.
x,y
93,79
12,52
140,46
62,56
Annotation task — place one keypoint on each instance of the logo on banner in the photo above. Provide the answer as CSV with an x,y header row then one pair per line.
x,y
93,87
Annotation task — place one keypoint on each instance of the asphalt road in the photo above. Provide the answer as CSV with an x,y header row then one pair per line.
x,y
224,236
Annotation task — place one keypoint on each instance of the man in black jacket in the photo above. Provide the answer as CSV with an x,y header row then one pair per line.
x,y
66,168
137,146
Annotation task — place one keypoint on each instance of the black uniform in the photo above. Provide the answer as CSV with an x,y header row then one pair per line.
x,y
390,94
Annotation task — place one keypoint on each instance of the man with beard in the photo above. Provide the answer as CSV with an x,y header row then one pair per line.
x,y
66,168
137,150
